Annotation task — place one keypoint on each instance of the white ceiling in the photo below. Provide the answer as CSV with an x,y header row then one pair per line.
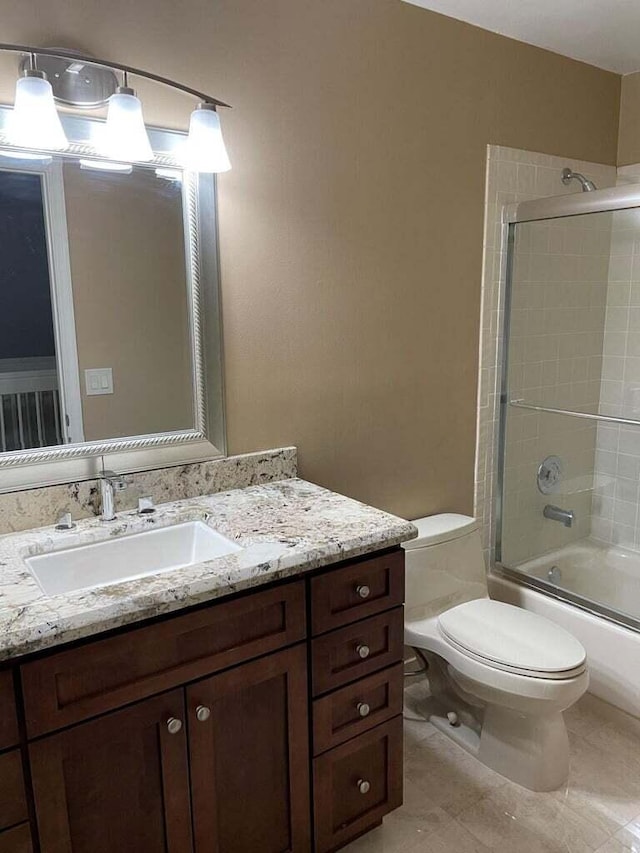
x,y
605,33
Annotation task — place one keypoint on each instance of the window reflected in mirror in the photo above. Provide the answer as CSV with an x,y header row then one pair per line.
x,y
30,413
95,337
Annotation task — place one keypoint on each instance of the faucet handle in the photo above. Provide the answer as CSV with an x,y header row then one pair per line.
x,y
117,481
65,522
145,505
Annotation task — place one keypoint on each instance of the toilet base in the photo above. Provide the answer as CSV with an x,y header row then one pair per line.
x,y
530,750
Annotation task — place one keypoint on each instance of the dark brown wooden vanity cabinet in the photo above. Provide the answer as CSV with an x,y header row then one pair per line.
x,y
9,735
215,730
357,683
218,763
15,832
249,759
117,783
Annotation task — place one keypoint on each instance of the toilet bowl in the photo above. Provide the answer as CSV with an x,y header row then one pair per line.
x,y
499,676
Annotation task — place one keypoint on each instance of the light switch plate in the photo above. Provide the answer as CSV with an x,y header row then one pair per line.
x,y
98,380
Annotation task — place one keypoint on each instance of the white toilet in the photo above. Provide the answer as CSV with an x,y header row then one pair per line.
x,y
499,676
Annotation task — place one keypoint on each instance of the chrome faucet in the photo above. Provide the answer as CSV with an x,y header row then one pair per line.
x,y
110,483
555,513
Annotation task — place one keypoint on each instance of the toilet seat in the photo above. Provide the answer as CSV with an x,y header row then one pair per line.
x,y
511,639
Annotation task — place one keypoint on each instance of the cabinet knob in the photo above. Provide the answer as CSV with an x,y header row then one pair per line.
x,y
363,786
363,650
363,709
363,590
202,713
174,725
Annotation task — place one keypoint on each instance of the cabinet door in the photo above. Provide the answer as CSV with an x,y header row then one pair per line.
x,y
8,719
248,742
117,783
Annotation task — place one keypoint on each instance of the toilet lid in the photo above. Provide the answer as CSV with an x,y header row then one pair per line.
x,y
512,638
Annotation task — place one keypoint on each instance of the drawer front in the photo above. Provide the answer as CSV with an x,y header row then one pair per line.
x,y
356,784
8,719
355,592
356,708
13,802
357,650
16,840
73,685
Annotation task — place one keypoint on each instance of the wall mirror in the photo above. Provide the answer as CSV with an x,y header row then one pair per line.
x,y
109,323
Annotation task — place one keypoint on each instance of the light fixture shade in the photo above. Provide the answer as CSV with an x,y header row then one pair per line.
x,y
124,136
34,121
204,149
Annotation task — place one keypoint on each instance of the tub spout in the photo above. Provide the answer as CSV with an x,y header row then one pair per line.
x,y
555,513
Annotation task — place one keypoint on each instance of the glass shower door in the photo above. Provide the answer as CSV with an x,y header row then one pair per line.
x,y
570,442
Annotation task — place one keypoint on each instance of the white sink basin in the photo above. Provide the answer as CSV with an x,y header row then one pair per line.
x,y
126,558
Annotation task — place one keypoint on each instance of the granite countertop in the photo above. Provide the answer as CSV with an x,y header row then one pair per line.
x,y
285,528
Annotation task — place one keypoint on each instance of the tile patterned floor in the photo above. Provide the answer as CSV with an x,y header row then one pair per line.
x,y
453,804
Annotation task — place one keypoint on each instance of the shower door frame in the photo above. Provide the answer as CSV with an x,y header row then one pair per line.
x,y
555,207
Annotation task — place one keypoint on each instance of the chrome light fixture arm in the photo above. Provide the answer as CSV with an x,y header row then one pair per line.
x,y
116,66
35,123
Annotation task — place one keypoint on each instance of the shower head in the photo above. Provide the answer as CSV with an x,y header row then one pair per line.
x,y
569,175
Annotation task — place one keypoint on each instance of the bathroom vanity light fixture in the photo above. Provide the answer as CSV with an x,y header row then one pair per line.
x,y
123,139
204,150
34,122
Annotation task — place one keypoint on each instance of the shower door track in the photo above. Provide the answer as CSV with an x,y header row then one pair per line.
x,y
565,595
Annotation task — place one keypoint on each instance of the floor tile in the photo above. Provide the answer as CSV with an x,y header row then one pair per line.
x,y
447,775
601,783
589,714
629,837
518,818
453,838
620,737
613,845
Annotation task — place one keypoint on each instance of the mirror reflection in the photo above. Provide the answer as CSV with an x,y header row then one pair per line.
x,y
95,340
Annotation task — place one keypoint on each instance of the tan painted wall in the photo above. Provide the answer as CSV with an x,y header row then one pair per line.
x,y
351,225
130,300
629,134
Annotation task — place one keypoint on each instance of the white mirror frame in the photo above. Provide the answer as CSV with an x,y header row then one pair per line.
x,y
35,467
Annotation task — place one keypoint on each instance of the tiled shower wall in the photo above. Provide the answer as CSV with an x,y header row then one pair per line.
x,y
514,175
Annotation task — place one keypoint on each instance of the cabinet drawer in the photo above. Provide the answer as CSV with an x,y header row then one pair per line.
x,y
13,802
356,784
355,592
357,708
73,685
357,650
16,840
8,719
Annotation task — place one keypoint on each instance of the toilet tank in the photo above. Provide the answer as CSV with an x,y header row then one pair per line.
x,y
444,565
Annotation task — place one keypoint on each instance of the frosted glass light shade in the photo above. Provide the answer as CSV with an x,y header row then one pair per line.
x,y
124,136
34,121
204,150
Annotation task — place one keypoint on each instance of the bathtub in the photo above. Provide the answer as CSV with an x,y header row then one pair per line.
x,y
604,574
